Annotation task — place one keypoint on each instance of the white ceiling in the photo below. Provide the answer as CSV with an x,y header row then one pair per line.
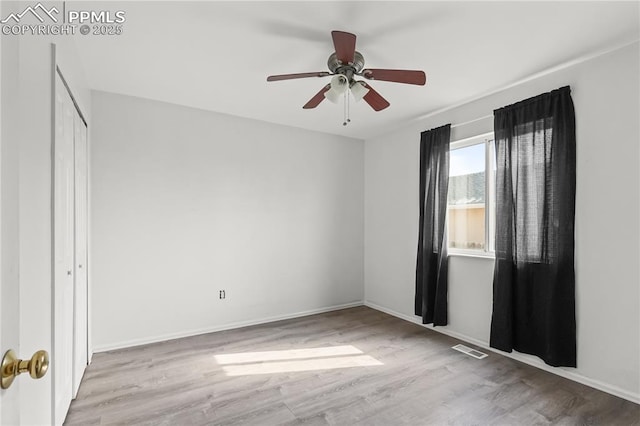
x,y
217,55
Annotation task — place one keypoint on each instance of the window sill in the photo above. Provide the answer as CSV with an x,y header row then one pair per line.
x,y
482,255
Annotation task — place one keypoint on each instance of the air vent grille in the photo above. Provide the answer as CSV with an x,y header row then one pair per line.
x,y
469,351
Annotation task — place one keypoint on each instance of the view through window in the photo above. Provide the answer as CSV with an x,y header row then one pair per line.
x,y
470,198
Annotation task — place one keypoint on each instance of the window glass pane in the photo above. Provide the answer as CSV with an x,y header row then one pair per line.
x,y
492,194
466,198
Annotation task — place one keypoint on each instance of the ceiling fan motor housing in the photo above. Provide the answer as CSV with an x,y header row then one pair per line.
x,y
348,70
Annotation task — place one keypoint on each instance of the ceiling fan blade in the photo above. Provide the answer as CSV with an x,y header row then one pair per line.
x,y
299,75
345,44
374,99
397,76
319,97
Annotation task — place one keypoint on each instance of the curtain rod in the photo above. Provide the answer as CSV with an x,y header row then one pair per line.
x,y
464,123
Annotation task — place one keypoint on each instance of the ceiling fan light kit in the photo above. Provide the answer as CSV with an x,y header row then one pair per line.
x,y
344,65
358,90
339,86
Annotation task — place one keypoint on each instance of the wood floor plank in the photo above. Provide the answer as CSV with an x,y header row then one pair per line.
x,y
415,378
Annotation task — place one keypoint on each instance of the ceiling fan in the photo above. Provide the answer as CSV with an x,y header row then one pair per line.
x,y
344,65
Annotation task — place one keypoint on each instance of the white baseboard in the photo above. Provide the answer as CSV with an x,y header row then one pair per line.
x,y
230,326
527,359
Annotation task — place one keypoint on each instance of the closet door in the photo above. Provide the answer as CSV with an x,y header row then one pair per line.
x,y
81,275
63,237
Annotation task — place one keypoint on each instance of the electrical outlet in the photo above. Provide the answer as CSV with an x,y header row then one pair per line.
x,y
222,294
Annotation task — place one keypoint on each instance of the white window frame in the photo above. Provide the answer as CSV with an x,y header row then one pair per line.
x,y
490,191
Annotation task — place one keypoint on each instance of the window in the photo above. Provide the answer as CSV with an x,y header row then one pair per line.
x,y
471,196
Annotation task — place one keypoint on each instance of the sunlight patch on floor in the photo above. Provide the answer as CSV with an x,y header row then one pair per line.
x,y
286,354
294,360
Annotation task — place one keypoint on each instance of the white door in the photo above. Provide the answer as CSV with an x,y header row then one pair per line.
x,y
9,221
80,348
63,245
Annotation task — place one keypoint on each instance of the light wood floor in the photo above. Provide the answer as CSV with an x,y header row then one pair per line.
x,y
420,380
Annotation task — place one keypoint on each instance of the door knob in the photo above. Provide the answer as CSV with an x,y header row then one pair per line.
x,y
11,367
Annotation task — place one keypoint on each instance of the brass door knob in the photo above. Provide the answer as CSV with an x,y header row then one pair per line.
x,y
11,367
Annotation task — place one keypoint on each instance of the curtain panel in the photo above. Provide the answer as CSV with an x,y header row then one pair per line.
x,y
431,265
534,277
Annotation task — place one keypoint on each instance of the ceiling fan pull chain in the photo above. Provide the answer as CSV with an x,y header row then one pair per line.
x,y
346,108
344,115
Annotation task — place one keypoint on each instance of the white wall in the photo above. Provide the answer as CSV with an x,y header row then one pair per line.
x,y
187,202
605,93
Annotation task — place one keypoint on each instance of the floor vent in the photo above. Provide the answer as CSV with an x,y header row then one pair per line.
x,y
469,351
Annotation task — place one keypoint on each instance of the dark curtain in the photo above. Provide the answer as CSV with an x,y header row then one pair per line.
x,y
431,265
534,278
